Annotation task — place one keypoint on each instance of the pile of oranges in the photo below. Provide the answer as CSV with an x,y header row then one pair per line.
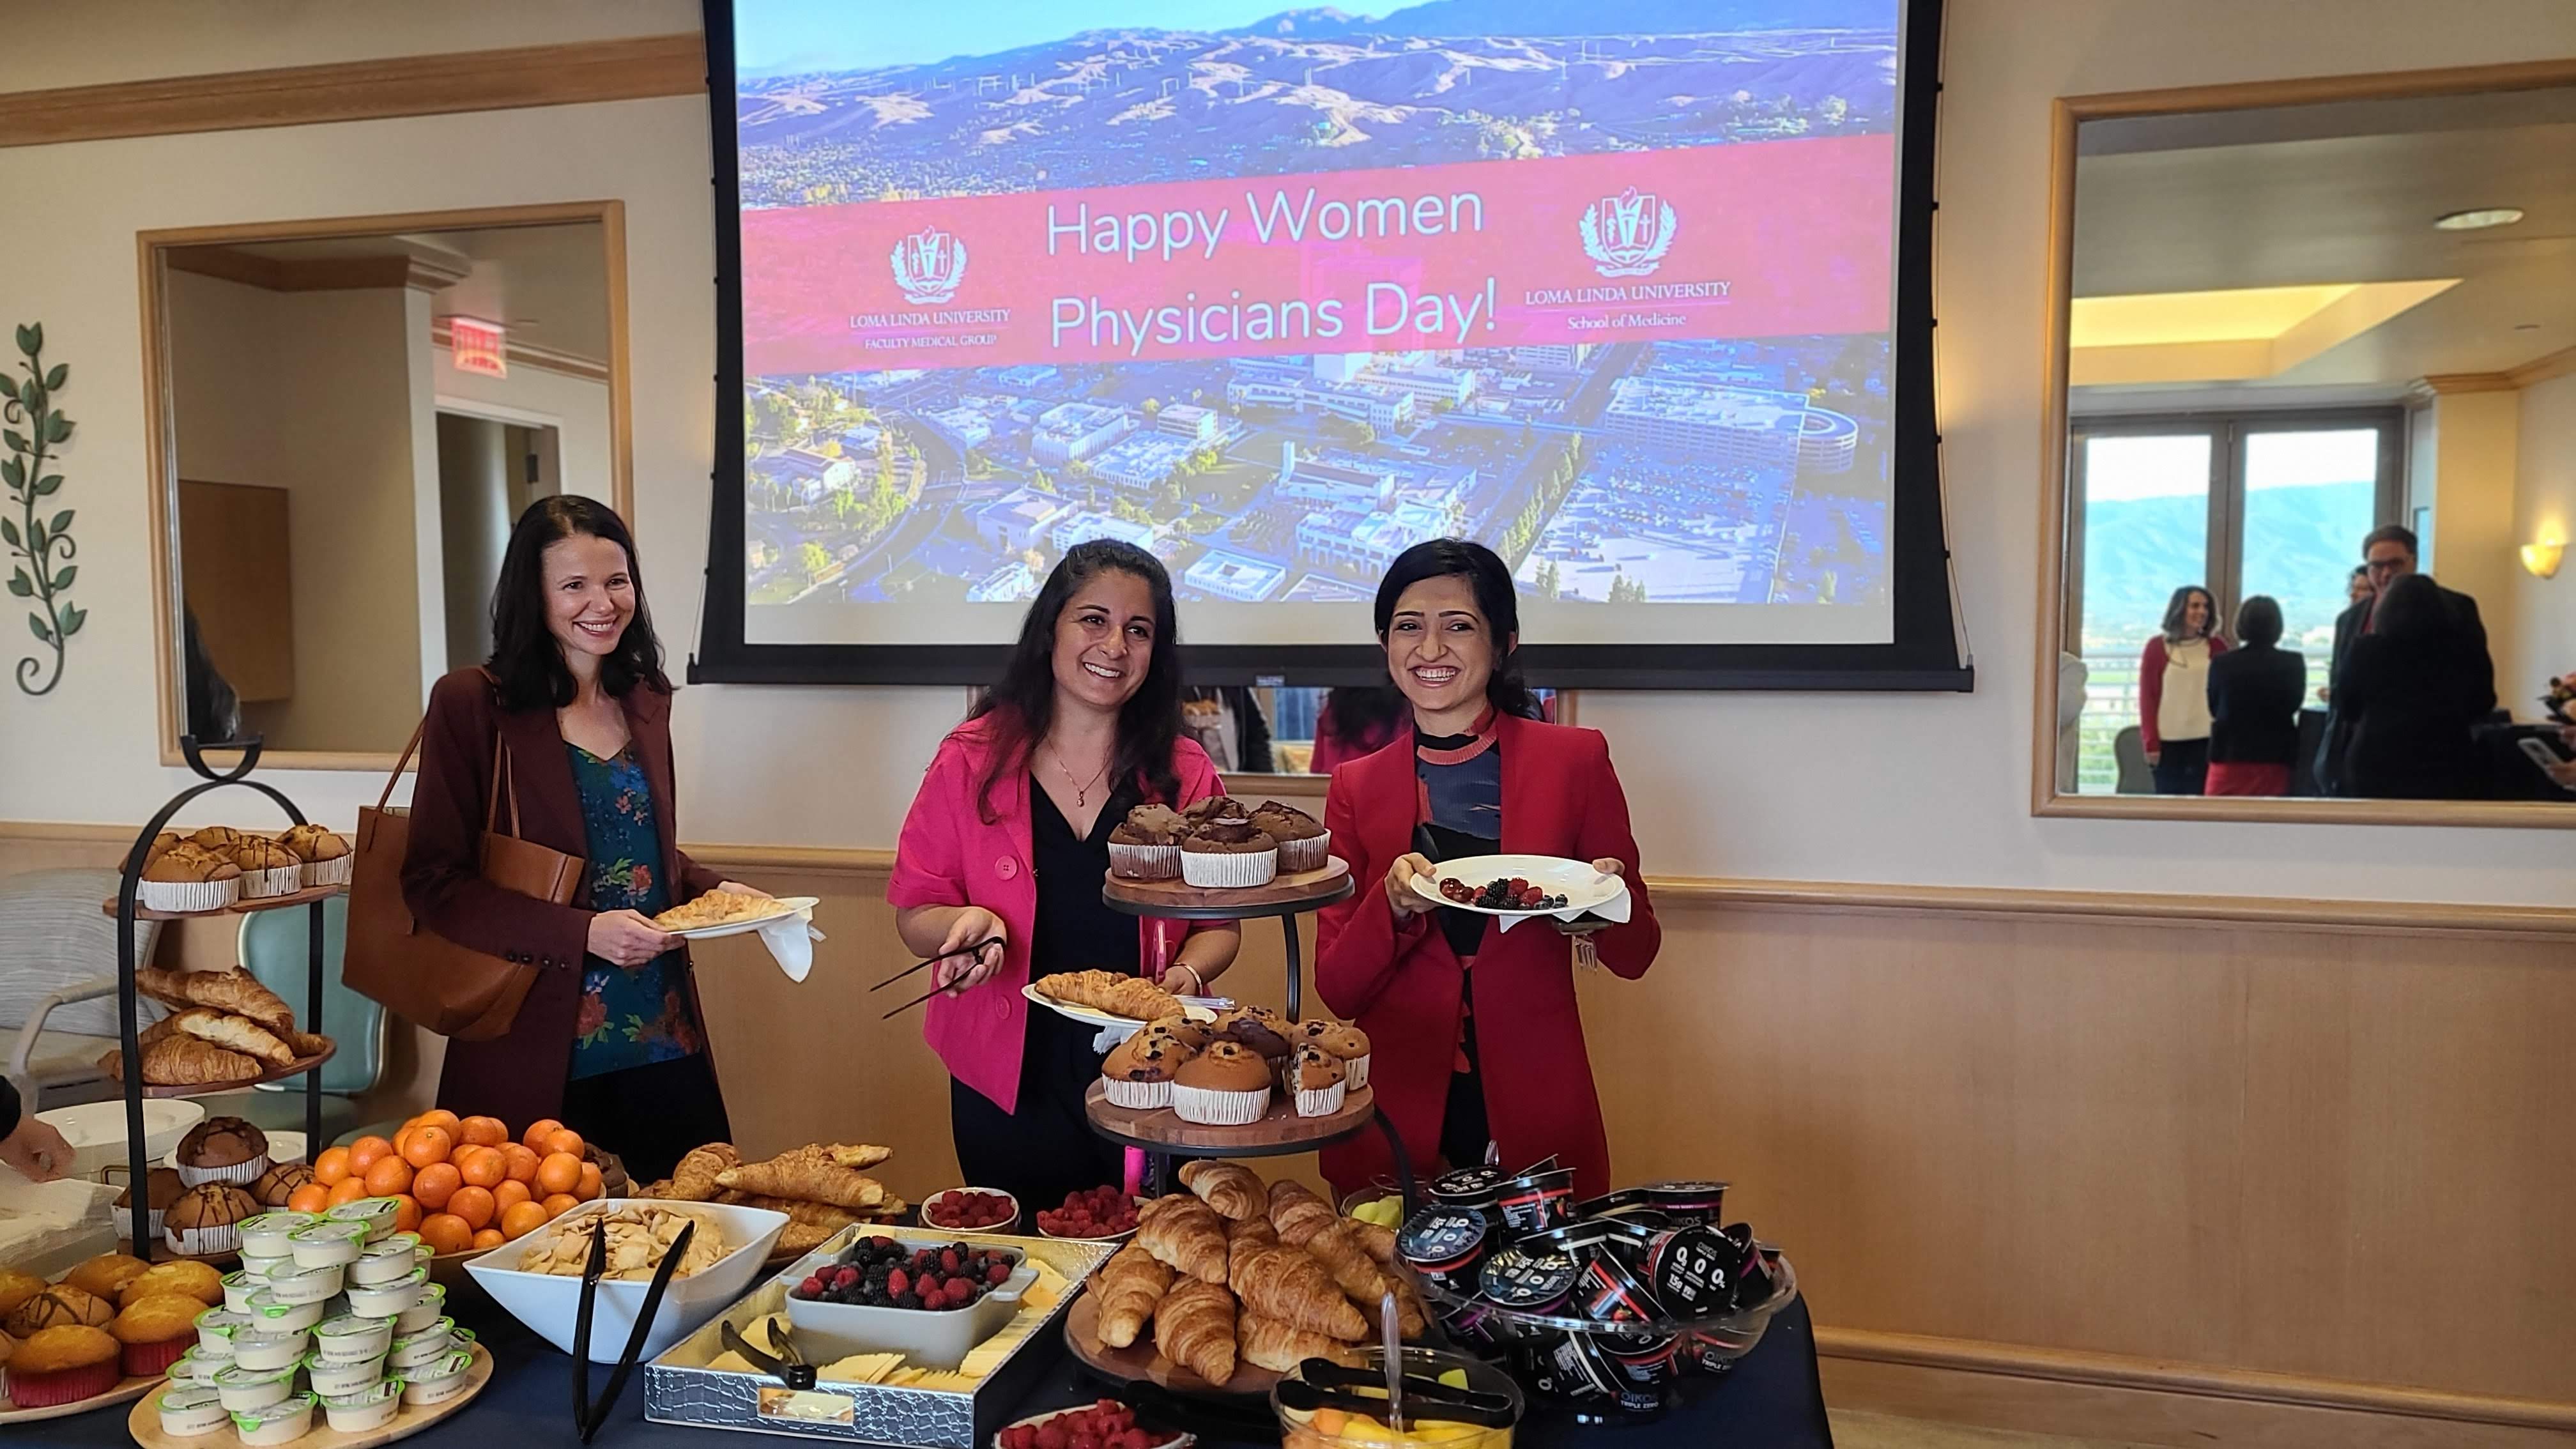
x,y
462,1183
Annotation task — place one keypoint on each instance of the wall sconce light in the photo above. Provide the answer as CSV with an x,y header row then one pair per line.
x,y
2540,560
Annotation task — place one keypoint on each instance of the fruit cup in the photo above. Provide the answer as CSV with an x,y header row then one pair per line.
x,y
1341,1429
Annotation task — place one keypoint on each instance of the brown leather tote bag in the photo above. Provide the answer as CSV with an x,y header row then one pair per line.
x,y
415,972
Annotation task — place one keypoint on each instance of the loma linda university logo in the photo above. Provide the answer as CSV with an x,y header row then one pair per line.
x,y
1627,235
929,264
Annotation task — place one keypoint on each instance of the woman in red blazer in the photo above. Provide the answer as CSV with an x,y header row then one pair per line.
x,y
610,1039
1476,1034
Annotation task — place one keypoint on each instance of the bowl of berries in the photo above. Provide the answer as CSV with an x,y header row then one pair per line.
x,y
933,1298
971,1210
1095,1215
1105,1424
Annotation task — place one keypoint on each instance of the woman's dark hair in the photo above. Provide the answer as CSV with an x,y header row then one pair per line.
x,y
2411,608
1491,581
2180,602
525,657
2258,622
1021,706
1361,712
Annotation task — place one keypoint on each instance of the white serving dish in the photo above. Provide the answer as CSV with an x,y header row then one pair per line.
x,y
929,1338
96,1131
938,1203
547,1303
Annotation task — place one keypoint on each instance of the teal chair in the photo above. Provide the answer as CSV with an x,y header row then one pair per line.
x,y
275,947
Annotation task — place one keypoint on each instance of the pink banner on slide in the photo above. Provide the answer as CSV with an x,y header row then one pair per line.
x,y
1762,239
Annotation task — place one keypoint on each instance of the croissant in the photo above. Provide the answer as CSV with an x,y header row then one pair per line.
x,y
802,1238
233,990
1184,1232
1267,1343
1112,992
1376,1241
807,1174
1194,1327
1247,1237
806,1214
1360,1277
235,1033
1297,1213
1230,1187
860,1155
1289,1285
1131,1283
180,1060
694,1180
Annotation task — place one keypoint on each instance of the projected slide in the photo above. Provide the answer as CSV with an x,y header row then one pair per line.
x,y
1277,295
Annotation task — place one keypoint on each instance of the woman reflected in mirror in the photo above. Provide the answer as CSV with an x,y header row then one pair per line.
x,y
2173,692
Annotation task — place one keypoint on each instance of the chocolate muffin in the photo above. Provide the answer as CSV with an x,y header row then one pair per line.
x,y
1147,844
1259,1028
1228,854
1303,841
222,1149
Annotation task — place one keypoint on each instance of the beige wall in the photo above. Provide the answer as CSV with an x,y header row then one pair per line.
x,y
312,392
2475,438
2545,507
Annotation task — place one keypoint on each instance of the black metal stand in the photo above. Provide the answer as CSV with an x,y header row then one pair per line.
x,y
138,1157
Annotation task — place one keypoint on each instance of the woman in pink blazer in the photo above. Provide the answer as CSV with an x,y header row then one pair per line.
x,y
1008,841
1478,1039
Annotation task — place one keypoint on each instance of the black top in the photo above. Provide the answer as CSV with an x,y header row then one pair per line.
x,y
1466,802
2410,705
2254,699
1076,929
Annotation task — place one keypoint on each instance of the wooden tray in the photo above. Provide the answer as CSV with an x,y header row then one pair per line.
x,y
1281,1131
1306,888
1139,1361
145,1422
122,1393
297,1068
304,897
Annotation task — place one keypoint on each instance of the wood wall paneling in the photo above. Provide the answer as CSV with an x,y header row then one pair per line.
x,y
233,557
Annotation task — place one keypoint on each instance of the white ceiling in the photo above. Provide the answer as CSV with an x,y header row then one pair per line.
x,y
2345,193
548,284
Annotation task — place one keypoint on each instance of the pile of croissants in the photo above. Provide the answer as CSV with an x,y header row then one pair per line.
x,y
1237,1272
226,1027
821,1187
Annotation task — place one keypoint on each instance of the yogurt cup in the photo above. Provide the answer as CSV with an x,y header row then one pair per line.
x,y
439,1380
262,1352
377,1214
188,1410
370,1408
264,1266
283,1422
305,1285
333,1379
238,1287
426,1346
268,1234
188,1367
271,1314
243,1390
425,1309
329,1244
388,1259
216,1329
388,1300
1446,1245
352,1339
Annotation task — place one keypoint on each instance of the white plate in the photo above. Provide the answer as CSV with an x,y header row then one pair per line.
x,y
1584,888
787,906
1196,1008
96,1130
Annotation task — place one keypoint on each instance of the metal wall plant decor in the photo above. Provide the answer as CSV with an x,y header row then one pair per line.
x,y
39,536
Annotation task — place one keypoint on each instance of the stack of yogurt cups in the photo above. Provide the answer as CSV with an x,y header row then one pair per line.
x,y
333,1310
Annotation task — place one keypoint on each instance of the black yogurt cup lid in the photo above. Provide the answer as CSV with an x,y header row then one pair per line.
x,y
1517,1277
1467,1181
1442,1235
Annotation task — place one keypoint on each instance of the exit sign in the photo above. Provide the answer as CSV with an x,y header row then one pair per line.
x,y
478,346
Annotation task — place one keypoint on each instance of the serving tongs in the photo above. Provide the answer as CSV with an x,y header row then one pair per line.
x,y
587,1416
974,950
787,1365
1324,1384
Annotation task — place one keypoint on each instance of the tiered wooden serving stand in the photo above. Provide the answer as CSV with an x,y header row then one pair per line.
x,y
128,910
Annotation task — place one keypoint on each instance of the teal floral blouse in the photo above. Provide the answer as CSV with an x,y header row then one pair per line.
x,y
628,1018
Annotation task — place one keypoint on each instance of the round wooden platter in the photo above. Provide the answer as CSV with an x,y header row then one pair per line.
x,y
1279,1131
125,1392
145,1422
1284,894
297,1068
309,895
1140,1361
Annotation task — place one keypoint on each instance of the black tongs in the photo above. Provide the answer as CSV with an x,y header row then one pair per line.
x,y
1323,1384
586,1415
975,950
787,1366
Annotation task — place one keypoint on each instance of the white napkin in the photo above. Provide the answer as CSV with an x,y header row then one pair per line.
x,y
1614,910
47,1228
790,940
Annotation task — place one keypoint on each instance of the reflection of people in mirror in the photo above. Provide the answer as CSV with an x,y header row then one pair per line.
x,y
2173,692
2564,772
1478,1038
1356,720
2413,685
1228,723
2254,692
2389,554
2356,589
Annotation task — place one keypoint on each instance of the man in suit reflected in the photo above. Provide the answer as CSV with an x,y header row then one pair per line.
x,y
2389,553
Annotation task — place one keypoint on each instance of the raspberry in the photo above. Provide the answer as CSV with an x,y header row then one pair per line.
x,y
898,1282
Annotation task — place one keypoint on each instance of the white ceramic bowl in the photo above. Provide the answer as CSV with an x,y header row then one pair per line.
x,y
937,1205
96,1131
548,1303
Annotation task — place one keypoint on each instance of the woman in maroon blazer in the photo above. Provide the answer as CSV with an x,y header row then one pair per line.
x,y
1477,1038
611,1039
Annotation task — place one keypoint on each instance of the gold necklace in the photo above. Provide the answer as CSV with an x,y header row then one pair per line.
x,y
1081,791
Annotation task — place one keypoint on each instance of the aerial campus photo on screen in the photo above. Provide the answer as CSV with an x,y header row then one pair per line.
x,y
1709,470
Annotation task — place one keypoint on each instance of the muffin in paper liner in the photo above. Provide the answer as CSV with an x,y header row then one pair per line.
x,y
1299,856
1141,1096
1144,862
204,1242
240,1174
1229,870
188,895
1321,1101
1355,1070
329,872
1213,1108
283,880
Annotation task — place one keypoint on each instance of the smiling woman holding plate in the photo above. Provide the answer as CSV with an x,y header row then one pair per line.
x,y
1443,990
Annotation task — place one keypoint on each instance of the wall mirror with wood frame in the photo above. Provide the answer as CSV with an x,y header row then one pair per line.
x,y
2311,429
346,416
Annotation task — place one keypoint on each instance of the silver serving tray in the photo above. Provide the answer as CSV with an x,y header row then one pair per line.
x,y
679,1388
